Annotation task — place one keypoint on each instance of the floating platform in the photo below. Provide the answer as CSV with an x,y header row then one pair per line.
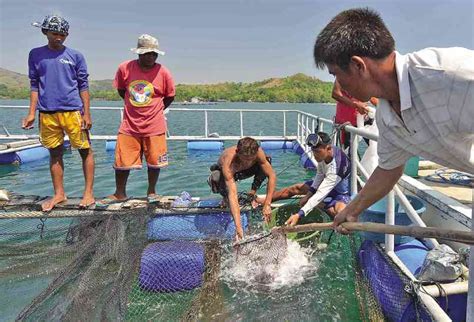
x,y
29,206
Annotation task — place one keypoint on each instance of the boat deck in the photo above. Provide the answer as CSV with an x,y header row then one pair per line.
x,y
463,194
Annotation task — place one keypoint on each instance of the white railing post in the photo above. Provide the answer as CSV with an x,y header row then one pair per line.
x,y
298,127
390,220
312,125
241,124
354,157
307,128
121,114
470,293
205,125
284,124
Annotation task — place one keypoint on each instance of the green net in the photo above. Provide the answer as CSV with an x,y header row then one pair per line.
x,y
102,268
167,266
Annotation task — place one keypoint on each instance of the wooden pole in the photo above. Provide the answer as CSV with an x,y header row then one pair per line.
x,y
465,237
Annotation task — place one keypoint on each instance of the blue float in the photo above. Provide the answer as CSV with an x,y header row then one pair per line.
x,y
110,145
25,155
298,148
205,145
172,266
376,213
9,158
32,154
306,162
412,254
194,226
276,145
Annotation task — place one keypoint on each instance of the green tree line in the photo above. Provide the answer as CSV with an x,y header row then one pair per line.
x,y
298,88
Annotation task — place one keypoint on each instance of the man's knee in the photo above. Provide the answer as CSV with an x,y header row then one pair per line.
x,y
56,153
85,152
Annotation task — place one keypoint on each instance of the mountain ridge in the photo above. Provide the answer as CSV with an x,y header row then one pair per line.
x,y
297,88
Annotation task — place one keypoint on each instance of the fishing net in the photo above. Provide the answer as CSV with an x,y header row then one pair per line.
x,y
262,254
112,265
393,291
151,263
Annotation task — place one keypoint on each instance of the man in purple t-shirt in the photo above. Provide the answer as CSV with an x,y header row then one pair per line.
x,y
60,92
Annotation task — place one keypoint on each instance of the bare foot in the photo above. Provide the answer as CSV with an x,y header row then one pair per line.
x,y
49,204
112,199
153,197
86,202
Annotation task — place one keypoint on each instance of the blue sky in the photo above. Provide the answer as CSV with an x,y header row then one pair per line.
x,y
221,40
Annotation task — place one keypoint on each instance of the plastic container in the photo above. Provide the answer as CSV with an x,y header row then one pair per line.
x,y
376,213
205,145
172,266
411,167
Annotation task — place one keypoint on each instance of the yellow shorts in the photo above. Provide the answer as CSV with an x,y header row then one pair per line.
x,y
54,125
129,151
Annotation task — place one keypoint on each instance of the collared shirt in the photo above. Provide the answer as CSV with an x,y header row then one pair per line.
x,y
437,108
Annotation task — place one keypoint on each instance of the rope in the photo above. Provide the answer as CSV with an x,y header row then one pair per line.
x,y
413,288
443,175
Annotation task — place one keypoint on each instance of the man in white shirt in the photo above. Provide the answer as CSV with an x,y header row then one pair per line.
x,y
330,187
426,99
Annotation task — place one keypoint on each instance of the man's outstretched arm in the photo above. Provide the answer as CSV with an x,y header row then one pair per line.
x,y
268,170
233,200
379,184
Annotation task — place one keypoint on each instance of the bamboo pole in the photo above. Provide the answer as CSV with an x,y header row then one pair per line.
x,y
465,237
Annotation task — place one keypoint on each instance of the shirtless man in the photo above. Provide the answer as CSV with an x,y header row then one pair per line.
x,y
238,162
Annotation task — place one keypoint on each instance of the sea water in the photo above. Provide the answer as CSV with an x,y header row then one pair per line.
x,y
308,285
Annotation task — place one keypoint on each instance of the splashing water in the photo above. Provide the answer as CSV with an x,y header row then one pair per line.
x,y
281,271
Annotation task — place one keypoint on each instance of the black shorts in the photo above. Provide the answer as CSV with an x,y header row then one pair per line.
x,y
217,182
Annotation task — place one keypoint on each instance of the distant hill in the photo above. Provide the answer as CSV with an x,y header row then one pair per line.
x,y
17,80
12,79
298,88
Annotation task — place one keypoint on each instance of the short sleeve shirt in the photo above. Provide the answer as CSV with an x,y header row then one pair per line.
x,y
345,113
144,94
437,107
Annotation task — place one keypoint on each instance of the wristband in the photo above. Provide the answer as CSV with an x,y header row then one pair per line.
x,y
301,213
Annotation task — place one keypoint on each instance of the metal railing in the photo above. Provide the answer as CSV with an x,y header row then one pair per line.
x,y
170,112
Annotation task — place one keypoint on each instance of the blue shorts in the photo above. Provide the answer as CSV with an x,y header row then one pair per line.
x,y
332,197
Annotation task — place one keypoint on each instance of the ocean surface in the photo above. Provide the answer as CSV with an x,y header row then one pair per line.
x,y
313,286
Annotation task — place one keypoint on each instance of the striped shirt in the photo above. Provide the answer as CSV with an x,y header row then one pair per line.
x,y
437,107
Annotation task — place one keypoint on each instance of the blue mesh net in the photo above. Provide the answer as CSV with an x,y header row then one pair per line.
x,y
389,286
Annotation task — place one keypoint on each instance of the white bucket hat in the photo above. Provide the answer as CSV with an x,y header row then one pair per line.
x,y
146,44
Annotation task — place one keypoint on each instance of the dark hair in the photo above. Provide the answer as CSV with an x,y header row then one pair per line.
x,y
325,138
354,32
247,146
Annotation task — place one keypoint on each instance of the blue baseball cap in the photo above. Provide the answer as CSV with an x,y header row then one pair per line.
x,y
53,23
